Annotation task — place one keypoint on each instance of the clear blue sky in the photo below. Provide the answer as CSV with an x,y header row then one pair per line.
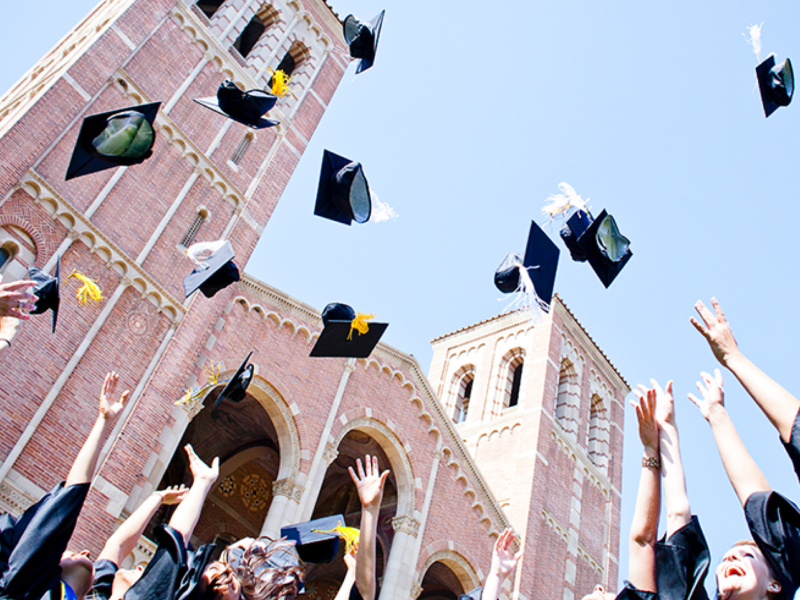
x,y
472,115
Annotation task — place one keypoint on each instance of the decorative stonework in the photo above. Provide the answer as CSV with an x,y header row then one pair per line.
x,y
597,477
406,524
416,590
13,499
330,453
137,323
563,533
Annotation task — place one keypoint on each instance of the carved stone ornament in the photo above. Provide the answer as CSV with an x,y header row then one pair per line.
x,y
406,524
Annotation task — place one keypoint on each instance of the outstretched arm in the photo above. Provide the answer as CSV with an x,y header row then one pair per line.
x,y
369,483
124,539
742,470
185,517
504,561
644,529
679,512
83,468
779,405
349,577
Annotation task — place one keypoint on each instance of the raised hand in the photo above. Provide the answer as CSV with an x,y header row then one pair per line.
x,y
350,561
16,300
369,481
716,330
504,561
713,394
646,417
665,403
172,495
201,470
109,411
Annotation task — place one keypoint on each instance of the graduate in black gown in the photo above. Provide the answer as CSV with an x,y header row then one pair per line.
x,y
774,521
34,561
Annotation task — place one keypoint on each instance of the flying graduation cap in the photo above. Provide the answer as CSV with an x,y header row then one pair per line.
x,y
121,137
776,84
599,241
46,290
236,389
347,334
315,541
343,192
214,273
362,38
535,274
247,108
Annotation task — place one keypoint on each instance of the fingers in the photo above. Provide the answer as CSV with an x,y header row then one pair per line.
x,y
19,285
190,451
18,314
703,331
124,397
352,475
384,475
696,401
669,387
704,313
656,387
375,470
718,377
718,310
360,469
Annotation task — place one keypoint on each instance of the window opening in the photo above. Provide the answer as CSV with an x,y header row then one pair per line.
x,y
209,7
199,218
513,398
242,148
249,36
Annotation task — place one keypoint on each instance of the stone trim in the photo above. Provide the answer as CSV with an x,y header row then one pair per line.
x,y
595,475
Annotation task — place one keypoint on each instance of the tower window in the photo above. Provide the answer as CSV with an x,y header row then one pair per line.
x,y
462,402
516,380
598,438
199,218
238,154
5,257
263,19
297,54
209,7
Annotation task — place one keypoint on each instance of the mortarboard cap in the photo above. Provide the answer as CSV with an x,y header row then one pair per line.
x,y
343,192
475,594
541,262
236,389
46,290
506,278
362,38
606,249
334,342
312,544
215,272
576,225
776,83
247,108
116,138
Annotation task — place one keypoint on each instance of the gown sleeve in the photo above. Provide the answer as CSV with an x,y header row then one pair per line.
x,y
682,563
162,576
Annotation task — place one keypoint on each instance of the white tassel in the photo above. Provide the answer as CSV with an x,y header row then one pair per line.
x,y
380,210
561,204
525,297
195,250
755,39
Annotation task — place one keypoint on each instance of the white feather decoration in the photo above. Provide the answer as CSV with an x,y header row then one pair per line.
x,y
755,39
525,297
380,210
561,204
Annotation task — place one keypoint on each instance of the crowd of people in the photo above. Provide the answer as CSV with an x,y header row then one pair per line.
x,y
34,560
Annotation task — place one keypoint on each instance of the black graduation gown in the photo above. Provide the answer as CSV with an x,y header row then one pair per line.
x,y
682,563
31,546
630,592
103,582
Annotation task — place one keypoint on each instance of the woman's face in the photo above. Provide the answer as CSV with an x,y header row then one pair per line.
x,y
221,578
743,574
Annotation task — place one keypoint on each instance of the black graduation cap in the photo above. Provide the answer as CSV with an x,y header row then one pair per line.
x,y
776,83
475,594
574,228
606,249
334,342
47,291
314,546
214,274
541,262
247,108
236,389
362,38
343,192
121,137
506,278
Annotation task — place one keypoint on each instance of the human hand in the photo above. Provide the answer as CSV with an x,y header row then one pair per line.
x,y
200,470
504,561
712,392
172,495
646,418
109,412
369,483
350,561
16,300
665,403
9,327
716,330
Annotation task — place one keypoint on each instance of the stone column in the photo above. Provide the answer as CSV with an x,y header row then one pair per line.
x,y
285,498
397,580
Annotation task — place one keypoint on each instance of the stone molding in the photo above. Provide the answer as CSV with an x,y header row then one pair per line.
x,y
288,488
406,524
13,499
580,458
563,533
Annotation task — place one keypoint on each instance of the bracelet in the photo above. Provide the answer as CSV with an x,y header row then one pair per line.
x,y
6,341
654,462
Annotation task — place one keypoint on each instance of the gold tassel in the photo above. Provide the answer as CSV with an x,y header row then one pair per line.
x,y
359,324
190,395
350,535
212,373
280,84
89,290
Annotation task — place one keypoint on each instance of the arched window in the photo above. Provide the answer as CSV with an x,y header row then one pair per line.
x,y
190,234
297,54
5,257
598,438
209,7
516,380
568,399
238,154
462,392
261,21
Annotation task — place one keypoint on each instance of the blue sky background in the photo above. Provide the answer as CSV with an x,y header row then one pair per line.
x,y
472,116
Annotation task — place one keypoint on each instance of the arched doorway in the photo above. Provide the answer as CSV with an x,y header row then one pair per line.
x,y
440,583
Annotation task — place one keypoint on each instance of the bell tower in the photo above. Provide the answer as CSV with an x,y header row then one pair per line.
x,y
540,408
208,178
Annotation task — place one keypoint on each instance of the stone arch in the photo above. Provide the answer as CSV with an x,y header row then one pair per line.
x,y
598,434
458,565
567,402
395,452
460,392
510,365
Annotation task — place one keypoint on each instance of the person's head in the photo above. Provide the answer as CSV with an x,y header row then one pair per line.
x,y
219,582
265,569
124,580
744,574
599,593
77,571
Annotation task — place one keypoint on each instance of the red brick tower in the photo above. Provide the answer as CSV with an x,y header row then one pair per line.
x,y
208,178
541,410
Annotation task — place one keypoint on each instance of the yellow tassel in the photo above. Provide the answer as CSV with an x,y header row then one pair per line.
x,y
280,84
359,324
190,395
350,535
89,290
212,373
